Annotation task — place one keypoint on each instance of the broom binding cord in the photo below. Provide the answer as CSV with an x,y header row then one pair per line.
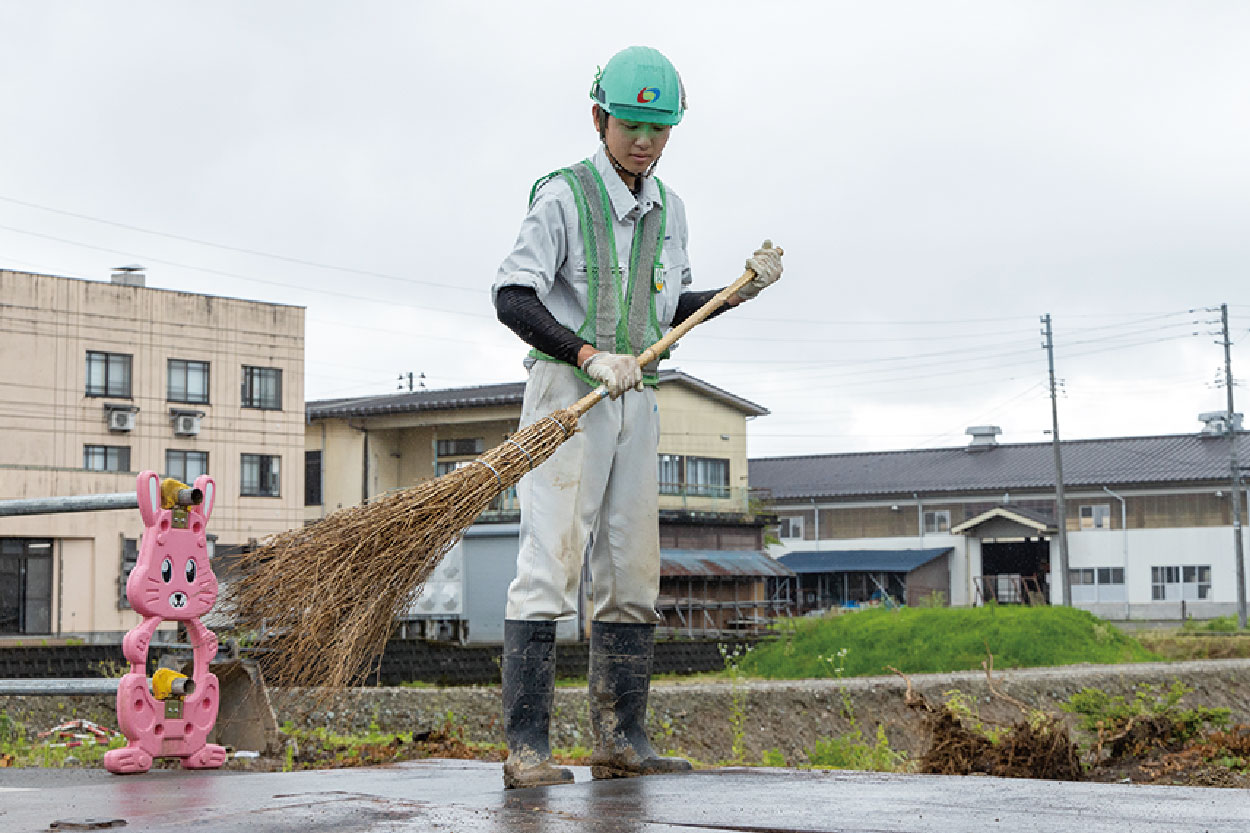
x,y
495,471
521,448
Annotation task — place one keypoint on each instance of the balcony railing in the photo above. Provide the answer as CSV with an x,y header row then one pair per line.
x,y
695,490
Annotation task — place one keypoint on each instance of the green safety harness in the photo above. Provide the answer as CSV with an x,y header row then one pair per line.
x,y
606,326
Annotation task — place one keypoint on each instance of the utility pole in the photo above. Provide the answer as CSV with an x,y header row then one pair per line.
x,y
1231,425
1065,581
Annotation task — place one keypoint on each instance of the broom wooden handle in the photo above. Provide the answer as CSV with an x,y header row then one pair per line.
x,y
653,352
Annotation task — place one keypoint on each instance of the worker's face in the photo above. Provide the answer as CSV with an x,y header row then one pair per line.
x,y
634,144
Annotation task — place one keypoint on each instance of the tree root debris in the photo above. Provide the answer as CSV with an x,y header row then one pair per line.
x,y
1036,746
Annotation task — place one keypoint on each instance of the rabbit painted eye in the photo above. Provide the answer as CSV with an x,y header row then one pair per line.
x,y
167,571
191,570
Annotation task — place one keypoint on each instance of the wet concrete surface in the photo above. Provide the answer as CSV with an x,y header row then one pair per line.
x,y
468,796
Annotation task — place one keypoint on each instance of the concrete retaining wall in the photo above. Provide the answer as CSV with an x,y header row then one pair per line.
x,y
695,718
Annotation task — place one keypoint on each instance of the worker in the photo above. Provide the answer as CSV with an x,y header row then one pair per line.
x,y
598,270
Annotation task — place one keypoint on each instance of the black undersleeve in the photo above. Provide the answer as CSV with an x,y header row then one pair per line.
x,y
689,302
519,309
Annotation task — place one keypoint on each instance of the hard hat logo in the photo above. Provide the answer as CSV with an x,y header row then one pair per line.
x,y
648,94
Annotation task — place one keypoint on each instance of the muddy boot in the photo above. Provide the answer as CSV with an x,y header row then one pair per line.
x,y
529,680
620,678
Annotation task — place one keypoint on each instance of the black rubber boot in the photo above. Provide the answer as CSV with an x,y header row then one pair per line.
x,y
529,681
620,679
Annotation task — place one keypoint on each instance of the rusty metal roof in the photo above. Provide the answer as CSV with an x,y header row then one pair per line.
x,y
719,564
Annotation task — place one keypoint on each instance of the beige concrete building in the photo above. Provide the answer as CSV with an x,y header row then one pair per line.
x,y
101,380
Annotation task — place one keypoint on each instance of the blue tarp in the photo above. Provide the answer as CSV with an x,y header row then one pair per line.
x,y
861,561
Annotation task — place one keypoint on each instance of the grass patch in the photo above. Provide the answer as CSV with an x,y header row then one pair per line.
x,y
936,640
19,747
1182,645
1220,624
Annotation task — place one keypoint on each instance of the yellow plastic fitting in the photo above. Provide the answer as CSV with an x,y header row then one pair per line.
x,y
163,680
169,492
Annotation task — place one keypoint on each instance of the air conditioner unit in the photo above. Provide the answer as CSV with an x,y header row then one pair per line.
x,y
121,420
186,425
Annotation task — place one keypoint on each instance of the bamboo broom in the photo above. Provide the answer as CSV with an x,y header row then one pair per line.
x,y
324,598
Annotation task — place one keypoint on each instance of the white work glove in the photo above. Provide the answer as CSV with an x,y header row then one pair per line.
x,y
766,264
618,371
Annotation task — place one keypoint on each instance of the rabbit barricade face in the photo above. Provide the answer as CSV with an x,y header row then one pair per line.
x,y
172,578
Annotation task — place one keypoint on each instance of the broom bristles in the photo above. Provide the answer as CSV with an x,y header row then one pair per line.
x,y
324,598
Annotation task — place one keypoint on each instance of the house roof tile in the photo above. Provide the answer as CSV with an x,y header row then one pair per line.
x,y
1099,462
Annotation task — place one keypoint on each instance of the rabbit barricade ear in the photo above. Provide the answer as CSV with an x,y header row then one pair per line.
x,y
148,488
206,485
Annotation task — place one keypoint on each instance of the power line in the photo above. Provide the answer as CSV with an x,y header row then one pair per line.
x,y
391,302
238,249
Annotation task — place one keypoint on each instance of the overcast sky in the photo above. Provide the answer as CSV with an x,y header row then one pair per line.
x,y
940,174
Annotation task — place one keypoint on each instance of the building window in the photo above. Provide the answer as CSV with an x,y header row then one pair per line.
x,y
106,457
108,374
670,474
130,555
312,478
448,466
790,527
25,585
261,475
707,477
1096,516
1110,575
1189,583
262,388
185,466
937,521
1097,584
460,447
188,381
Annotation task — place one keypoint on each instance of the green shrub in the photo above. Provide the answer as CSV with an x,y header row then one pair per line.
x,y
773,757
1220,624
852,751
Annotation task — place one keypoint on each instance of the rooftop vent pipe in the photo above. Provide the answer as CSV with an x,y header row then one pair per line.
x,y
131,275
1215,423
983,437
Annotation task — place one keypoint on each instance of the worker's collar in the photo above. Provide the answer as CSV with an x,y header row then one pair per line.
x,y
624,205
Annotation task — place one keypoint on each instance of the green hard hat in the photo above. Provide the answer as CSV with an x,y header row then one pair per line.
x,y
640,84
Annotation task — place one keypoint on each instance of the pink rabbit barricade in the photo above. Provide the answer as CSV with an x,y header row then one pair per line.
x,y
171,581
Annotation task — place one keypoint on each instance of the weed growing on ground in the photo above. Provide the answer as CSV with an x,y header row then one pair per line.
x,y
1152,720
773,758
737,692
852,750
1220,624
20,747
